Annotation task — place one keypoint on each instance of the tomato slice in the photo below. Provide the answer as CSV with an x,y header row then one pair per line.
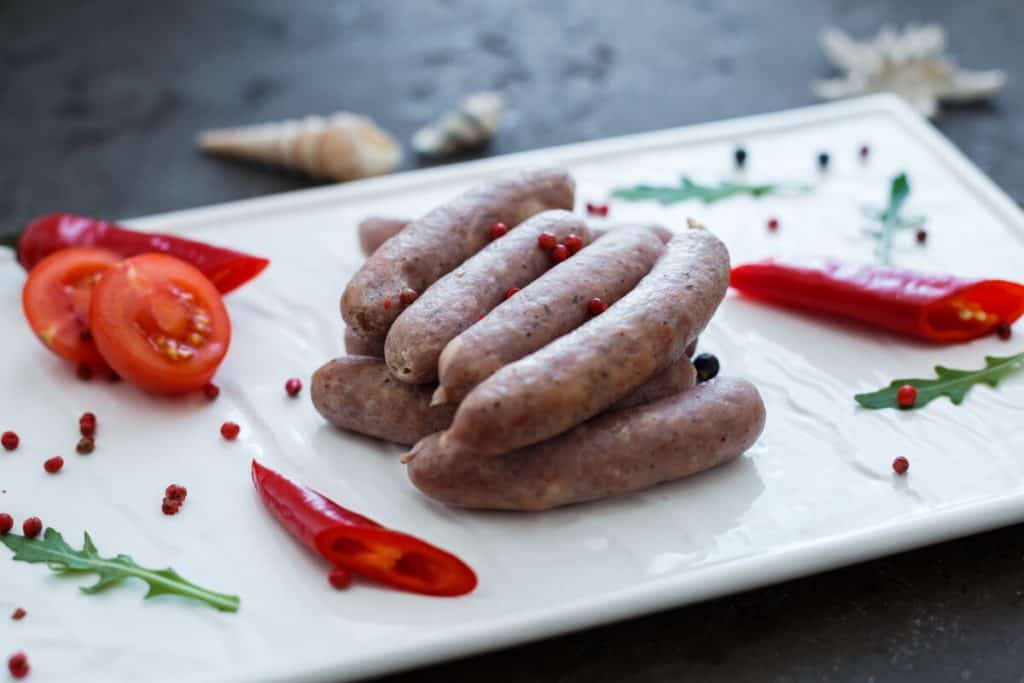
x,y
56,300
160,323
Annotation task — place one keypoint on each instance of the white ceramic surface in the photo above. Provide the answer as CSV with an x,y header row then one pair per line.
x,y
816,492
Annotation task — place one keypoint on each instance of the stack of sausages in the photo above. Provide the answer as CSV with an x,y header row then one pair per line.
x,y
476,346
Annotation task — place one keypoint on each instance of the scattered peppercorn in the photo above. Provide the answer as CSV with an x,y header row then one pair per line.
x,y
597,306
54,464
740,155
87,424
559,253
823,160
31,527
408,295
900,465
707,366
170,507
865,151
19,614
86,445
498,230
906,396
922,236
597,209
293,386
84,371
511,291
230,430
387,304
1004,331
6,523
773,224
211,391
340,578
547,240
10,440
18,665
176,492
574,242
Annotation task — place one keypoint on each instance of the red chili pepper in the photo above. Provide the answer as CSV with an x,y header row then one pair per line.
x,y
351,541
226,268
939,308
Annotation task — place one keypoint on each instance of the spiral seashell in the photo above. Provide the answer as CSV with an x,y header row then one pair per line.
x,y
469,125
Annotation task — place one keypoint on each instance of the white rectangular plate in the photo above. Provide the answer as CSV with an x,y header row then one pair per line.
x,y
816,492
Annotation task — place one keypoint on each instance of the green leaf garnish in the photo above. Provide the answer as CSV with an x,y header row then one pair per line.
x,y
952,383
687,189
63,559
890,219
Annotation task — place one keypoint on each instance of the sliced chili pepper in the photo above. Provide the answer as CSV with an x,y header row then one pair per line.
x,y
349,540
938,308
226,268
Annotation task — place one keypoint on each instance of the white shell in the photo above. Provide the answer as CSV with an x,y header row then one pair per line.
x,y
470,124
911,64
343,146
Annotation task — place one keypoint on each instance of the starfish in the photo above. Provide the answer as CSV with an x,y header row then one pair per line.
x,y
910,63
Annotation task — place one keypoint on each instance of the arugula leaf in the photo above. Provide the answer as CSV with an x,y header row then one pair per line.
x,y
890,219
687,189
952,383
61,558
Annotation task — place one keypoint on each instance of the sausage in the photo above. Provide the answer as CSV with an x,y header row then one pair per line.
x,y
437,243
376,230
359,393
460,298
692,348
580,374
615,453
554,305
357,346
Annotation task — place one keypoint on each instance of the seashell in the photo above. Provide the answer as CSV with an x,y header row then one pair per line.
x,y
911,63
343,146
469,125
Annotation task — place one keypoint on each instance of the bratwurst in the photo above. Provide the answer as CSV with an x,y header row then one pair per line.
x,y
554,305
614,453
437,243
578,375
376,230
463,296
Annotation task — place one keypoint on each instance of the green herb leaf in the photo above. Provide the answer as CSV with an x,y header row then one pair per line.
x,y
952,383
687,189
890,219
63,559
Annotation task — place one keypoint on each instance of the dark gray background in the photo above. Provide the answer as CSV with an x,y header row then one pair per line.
x,y
99,102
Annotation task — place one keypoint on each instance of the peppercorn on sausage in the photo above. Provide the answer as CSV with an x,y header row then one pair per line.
x,y
578,375
359,394
437,243
357,346
376,230
553,305
614,453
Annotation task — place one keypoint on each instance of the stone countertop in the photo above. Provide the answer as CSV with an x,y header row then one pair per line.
x,y
100,101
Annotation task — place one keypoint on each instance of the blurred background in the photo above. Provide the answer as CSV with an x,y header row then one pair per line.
x,y
100,103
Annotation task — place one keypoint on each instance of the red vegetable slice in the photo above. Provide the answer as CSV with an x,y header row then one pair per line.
x,y
360,545
938,308
160,324
227,269
56,299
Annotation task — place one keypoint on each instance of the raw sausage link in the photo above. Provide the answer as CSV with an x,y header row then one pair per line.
x,y
376,230
437,243
615,453
554,305
357,346
460,298
580,374
359,393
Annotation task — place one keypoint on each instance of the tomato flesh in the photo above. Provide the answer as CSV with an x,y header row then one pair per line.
x,y
160,323
56,300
